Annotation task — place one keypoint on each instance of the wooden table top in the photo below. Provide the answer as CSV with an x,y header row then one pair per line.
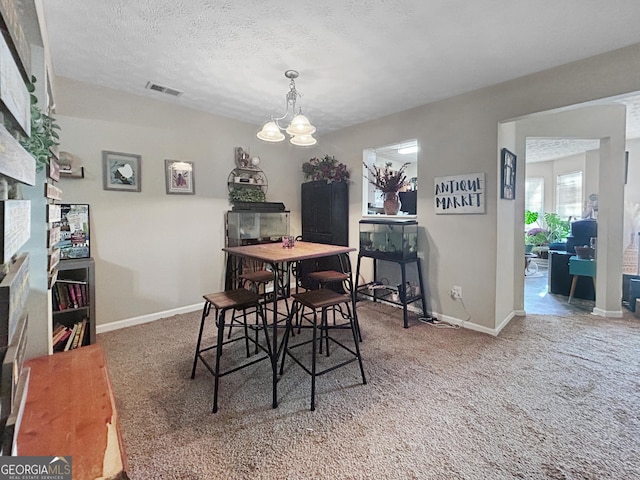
x,y
276,253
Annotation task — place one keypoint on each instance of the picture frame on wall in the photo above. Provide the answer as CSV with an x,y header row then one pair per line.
x,y
121,171
74,231
508,175
179,177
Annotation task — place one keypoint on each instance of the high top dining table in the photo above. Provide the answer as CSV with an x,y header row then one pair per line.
x,y
280,258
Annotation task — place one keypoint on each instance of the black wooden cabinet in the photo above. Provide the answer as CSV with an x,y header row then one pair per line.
x,y
325,219
325,212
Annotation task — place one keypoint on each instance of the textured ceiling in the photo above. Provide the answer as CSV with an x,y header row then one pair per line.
x,y
358,59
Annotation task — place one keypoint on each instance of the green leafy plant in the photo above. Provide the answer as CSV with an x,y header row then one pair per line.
x,y
530,217
247,194
43,131
536,236
326,168
558,228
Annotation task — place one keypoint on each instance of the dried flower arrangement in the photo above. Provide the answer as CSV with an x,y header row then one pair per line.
x,y
387,180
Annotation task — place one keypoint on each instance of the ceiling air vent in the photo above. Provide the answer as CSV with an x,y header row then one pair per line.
x,y
161,89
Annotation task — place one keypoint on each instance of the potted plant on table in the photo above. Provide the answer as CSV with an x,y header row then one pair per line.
x,y
389,182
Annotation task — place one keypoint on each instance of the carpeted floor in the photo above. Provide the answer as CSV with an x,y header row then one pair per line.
x,y
550,398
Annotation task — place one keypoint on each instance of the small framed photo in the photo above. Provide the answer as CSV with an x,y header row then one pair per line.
x,y
121,171
179,177
508,175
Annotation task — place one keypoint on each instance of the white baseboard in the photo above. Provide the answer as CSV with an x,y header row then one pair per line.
x,y
452,320
607,313
130,322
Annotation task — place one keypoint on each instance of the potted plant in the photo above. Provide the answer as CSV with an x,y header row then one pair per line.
x,y
246,194
558,228
326,168
389,182
529,240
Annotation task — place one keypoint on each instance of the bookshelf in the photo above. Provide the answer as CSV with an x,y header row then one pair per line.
x,y
73,300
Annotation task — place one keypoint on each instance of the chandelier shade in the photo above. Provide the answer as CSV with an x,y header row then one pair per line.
x,y
303,140
271,133
300,125
300,128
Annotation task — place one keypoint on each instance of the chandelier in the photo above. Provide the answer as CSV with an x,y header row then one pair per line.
x,y
300,129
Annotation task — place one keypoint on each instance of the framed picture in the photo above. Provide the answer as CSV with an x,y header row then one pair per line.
x,y
121,171
74,231
508,175
179,177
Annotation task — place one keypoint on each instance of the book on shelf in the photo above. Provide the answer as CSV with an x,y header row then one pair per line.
x,y
59,297
83,330
69,338
72,336
54,298
77,339
78,292
61,342
59,336
57,328
70,294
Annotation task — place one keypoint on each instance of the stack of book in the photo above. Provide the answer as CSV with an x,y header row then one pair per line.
x,y
69,294
67,338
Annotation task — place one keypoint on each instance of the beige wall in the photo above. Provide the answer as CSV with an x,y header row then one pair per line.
x,y
156,253
459,135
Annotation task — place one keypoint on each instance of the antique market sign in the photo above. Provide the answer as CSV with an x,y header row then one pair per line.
x,y
460,194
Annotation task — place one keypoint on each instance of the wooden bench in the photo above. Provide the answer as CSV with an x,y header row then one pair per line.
x,y
70,411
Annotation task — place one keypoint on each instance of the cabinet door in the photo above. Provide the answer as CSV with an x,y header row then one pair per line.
x,y
325,214
308,212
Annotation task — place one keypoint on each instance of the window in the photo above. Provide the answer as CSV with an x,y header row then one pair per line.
x,y
391,157
569,195
534,195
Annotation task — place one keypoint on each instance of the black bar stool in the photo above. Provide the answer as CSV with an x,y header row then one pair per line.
x,y
257,281
234,300
320,300
324,278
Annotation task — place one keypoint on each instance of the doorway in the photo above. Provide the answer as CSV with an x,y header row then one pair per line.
x,y
603,122
560,174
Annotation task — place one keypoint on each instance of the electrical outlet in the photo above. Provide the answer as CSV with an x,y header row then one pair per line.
x,y
456,292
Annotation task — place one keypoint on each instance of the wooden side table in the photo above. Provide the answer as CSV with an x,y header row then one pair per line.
x,y
71,410
581,267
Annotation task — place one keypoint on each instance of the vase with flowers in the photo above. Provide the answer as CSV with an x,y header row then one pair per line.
x,y
326,168
389,182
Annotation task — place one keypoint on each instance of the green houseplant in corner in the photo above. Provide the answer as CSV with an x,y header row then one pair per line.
x,y
44,136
